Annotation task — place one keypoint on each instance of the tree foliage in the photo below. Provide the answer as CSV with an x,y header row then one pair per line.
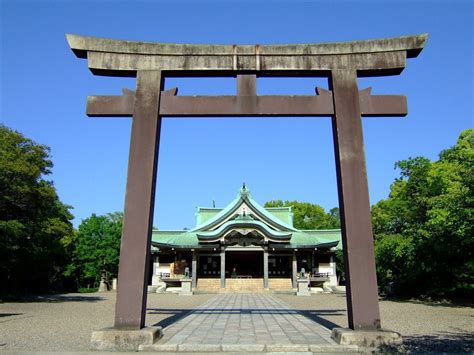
x,y
424,231
96,250
309,216
35,227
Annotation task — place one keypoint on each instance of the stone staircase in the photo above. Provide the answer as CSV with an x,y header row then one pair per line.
x,y
254,285
283,284
208,285
244,286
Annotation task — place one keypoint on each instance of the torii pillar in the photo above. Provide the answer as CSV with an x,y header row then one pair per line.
x,y
342,63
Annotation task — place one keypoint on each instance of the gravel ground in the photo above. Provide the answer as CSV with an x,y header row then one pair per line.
x,y
65,322
425,327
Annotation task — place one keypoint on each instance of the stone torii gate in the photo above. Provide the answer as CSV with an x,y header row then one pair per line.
x,y
340,62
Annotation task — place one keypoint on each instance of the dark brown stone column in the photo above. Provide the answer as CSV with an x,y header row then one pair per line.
x,y
361,280
139,203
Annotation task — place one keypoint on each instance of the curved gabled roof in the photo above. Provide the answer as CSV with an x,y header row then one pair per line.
x,y
246,222
214,230
243,197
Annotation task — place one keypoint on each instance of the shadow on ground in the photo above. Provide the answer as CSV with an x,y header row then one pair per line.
x,y
441,342
315,316
175,315
9,314
318,316
60,298
433,303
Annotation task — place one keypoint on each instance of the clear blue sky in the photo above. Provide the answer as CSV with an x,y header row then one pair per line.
x,y
44,89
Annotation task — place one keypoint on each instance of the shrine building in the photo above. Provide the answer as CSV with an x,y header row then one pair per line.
x,y
245,246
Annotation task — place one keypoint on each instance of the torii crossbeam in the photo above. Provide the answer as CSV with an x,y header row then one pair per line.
x,y
340,62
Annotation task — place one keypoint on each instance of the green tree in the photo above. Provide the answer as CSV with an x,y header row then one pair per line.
x,y
96,249
340,270
424,231
309,216
333,218
35,226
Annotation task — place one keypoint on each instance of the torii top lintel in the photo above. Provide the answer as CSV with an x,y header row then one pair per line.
x,y
369,57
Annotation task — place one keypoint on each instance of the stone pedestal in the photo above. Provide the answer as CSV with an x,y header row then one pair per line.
x,y
339,289
156,280
111,339
303,289
366,338
316,290
161,288
186,287
103,286
327,287
151,289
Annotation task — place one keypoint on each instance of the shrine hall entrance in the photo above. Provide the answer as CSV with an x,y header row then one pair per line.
x,y
247,264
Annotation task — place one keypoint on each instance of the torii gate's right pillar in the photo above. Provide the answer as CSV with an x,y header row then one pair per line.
x,y
354,204
357,237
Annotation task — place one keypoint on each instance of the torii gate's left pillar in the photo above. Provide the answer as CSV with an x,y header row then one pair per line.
x,y
139,203
129,328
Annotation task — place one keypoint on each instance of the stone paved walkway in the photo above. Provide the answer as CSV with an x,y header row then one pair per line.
x,y
250,322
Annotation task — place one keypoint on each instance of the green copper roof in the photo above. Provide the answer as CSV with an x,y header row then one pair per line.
x,y
323,237
284,214
275,223
230,211
204,214
244,222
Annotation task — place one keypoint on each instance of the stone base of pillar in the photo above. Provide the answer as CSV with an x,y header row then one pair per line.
x,y
111,339
303,289
366,338
186,287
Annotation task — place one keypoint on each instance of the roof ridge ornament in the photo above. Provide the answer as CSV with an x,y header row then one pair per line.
x,y
244,192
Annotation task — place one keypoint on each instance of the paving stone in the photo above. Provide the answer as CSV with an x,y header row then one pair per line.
x,y
333,348
287,347
200,347
243,347
245,319
229,341
158,347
